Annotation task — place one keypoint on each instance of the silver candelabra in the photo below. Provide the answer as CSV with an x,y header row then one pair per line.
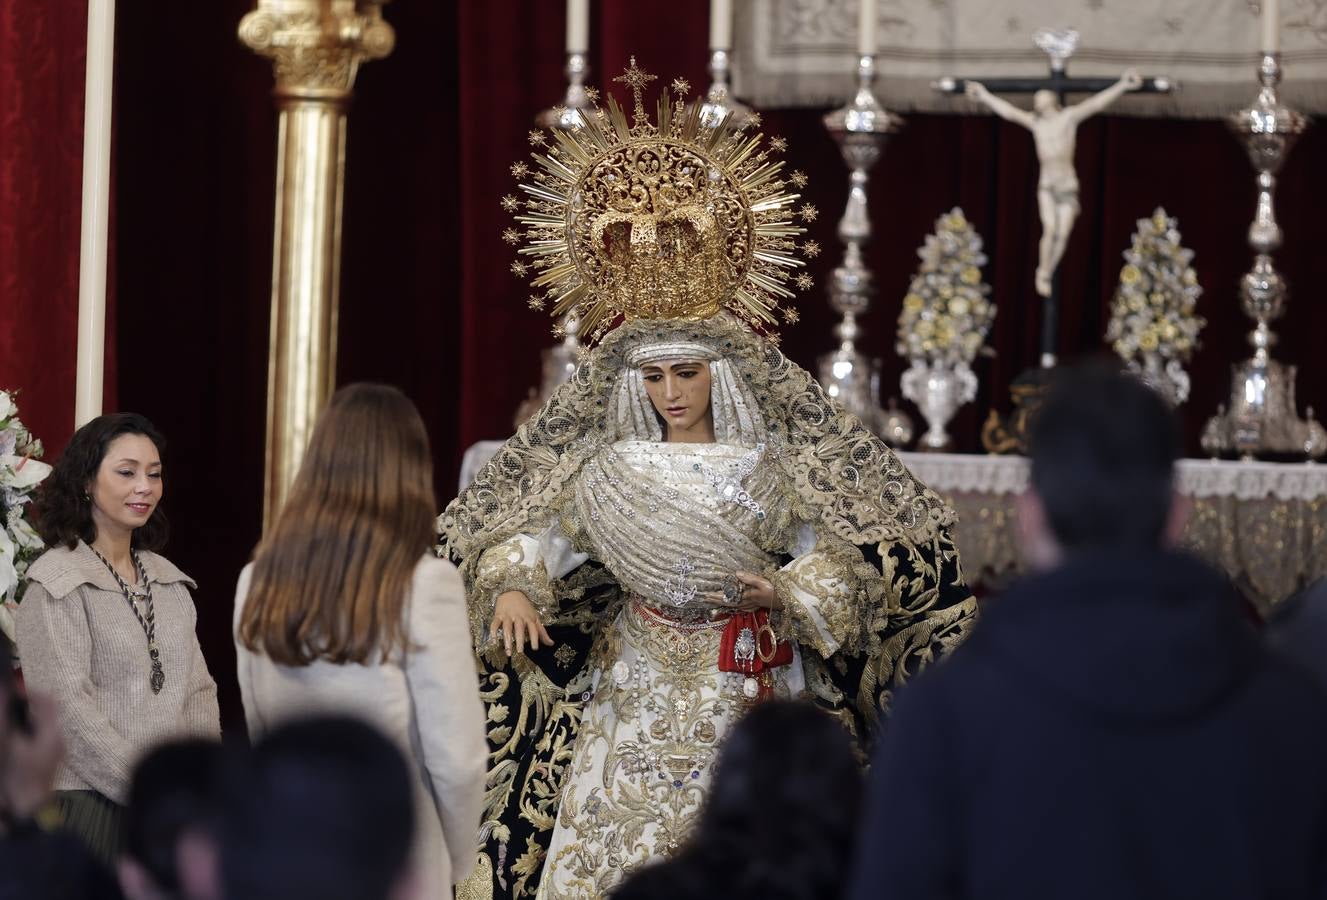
x,y
860,129
719,101
560,361
1262,415
567,114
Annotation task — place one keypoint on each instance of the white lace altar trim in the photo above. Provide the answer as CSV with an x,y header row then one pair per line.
x,y
1199,478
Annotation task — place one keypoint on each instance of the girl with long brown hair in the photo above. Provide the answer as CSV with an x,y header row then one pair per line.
x,y
345,608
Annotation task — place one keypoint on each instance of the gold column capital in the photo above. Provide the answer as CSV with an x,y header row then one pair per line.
x,y
316,46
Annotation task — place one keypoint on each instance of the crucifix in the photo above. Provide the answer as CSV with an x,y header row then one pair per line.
x,y
1053,124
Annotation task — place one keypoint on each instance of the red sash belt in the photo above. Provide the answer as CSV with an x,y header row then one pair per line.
x,y
750,646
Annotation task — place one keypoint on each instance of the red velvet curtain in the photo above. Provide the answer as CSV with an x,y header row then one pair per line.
x,y
428,302
42,52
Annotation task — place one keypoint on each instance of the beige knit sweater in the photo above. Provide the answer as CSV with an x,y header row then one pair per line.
x,y
80,642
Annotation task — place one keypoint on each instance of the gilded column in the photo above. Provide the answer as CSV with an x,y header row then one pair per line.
x,y
316,47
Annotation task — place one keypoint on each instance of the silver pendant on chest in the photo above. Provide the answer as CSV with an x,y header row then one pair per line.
x,y
158,675
729,487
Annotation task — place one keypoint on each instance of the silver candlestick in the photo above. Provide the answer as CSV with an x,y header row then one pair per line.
x,y
719,101
1262,415
860,128
559,364
567,115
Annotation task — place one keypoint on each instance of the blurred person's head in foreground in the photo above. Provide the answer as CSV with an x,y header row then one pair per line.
x,y
171,823
323,808
1103,448
780,817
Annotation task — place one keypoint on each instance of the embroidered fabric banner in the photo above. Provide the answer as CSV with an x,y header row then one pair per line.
x,y
803,52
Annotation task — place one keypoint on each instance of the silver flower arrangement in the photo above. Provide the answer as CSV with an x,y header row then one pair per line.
x,y
945,318
1153,326
946,314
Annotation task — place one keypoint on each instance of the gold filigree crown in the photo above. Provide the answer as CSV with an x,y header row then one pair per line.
x,y
674,219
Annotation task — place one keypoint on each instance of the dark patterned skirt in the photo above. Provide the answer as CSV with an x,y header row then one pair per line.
x,y
95,820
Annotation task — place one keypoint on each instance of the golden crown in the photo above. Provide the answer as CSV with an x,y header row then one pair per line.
x,y
674,220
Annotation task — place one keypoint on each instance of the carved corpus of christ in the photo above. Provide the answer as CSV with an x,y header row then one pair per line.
x,y
1054,129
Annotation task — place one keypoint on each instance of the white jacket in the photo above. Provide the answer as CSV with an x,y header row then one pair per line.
x,y
426,699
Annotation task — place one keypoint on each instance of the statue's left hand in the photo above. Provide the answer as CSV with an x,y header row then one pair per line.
x,y
1131,79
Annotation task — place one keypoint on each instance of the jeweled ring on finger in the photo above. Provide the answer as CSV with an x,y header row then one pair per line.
x,y
733,588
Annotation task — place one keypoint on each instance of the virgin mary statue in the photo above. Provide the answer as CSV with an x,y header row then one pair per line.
x,y
690,525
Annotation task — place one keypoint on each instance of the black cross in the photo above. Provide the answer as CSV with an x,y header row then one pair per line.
x,y
1061,85
1057,82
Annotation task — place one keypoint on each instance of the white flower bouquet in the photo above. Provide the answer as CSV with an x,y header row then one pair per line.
x,y
1153,326
947,312
20,472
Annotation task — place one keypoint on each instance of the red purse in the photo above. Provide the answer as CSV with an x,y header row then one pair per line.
x,y
750,646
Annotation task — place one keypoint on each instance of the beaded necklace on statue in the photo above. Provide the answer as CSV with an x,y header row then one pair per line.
x,y
147,619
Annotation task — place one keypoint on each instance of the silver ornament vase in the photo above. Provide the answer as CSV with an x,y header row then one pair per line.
x,y
938,390
1165,376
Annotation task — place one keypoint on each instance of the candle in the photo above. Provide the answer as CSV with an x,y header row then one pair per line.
x,y
1271,26
578,26
866,20
721,24
96,205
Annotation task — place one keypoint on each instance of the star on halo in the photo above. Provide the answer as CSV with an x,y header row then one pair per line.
x,y
511,236
681,86
791,316
778,144
519,170
519,269
811,249
535,303
798,178
808,212
804,281
536,138
510,203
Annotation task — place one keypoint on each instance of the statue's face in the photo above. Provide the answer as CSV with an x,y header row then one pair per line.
x,y
679,389
1044,102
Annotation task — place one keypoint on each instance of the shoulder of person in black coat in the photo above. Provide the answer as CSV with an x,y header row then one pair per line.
x,y
1298,631
52,866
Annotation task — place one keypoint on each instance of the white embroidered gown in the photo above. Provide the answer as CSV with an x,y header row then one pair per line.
x,y
670,521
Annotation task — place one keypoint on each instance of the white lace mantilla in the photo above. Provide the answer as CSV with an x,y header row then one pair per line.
x,y
1200,478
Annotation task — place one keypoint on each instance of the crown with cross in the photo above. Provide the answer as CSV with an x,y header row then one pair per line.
x,y
675,218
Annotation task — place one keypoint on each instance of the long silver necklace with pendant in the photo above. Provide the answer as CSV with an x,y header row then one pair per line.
x,y
146,619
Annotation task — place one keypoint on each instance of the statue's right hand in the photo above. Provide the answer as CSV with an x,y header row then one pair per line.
x,y
974,90
515,618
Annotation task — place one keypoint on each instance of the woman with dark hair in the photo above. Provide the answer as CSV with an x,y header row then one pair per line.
x,y
778,822
107,623
345,609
